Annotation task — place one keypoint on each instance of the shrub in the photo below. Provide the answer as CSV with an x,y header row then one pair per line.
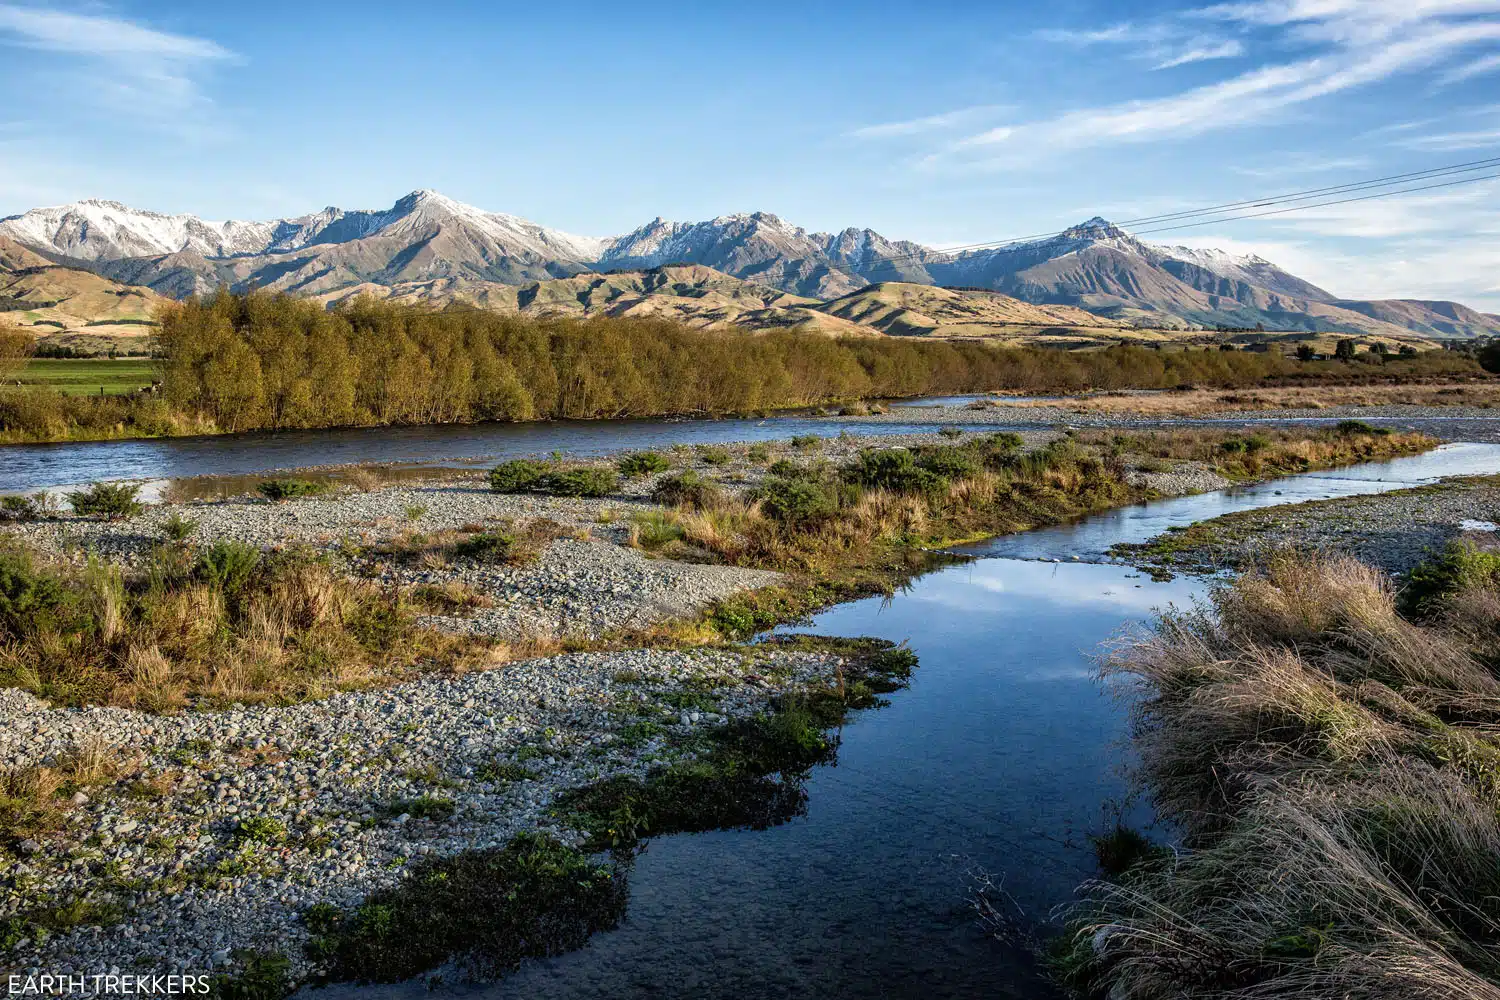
x,y
796,501
228,565
289,489
25,591
892,469
177,528
787,469
109,500
486,547
688,488
760,454
517,476
643,463
803,442
951,432
32,508
588,481
1460,567
1001,442
712,454
1348,428
949,462
415,512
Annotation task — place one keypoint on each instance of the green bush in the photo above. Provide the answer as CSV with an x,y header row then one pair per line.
x,y
32,508
688,488
289,489
1349,428
784,468
25,592
517,476
643,463
178,528
796,501
949,462
760,454
588,481
486,547
951,432
712,454
892,469
109,500
1459,567
1001,442
228,565
802,442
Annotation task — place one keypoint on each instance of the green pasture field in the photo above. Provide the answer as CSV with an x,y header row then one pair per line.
x,y
88,376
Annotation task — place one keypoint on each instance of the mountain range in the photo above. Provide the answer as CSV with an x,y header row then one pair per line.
x,y
427,247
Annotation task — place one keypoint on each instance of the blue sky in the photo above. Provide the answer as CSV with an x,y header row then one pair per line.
x,y
942,122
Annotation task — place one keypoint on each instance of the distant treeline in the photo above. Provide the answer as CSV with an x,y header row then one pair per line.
x,y
260,361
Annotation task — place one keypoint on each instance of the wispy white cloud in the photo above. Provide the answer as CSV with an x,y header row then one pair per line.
x,y
122,66
1228,49
1479,67
1293,164
1164,44
1450,141
928,123
1359,42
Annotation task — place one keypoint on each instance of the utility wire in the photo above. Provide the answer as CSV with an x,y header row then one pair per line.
x,y
1293,202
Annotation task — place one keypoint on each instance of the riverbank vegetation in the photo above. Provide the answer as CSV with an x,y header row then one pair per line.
x,y
843,531
235,363
1407,390
213,625
1334,771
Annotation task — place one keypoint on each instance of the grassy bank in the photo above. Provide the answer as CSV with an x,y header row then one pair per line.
x,y
1333,767
221,624
865,527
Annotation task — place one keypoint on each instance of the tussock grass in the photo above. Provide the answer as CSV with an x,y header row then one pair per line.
x,y
223,624
1335,770
34,800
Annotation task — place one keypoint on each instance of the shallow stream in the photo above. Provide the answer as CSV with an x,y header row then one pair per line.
x,y
1001,758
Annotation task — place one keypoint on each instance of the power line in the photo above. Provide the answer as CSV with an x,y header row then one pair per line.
x,y
1211,215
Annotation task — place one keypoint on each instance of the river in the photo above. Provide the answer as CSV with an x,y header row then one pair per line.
x,y
1002,757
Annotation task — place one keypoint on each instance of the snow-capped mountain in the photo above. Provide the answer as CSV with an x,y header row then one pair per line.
x,y
105,230
762,247
426,237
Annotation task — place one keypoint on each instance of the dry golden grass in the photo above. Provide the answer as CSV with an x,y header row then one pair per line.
x,y
287,628
1191,402
35,799
1336,771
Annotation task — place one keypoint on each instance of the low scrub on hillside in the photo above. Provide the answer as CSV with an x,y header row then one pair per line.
x,y
1335,773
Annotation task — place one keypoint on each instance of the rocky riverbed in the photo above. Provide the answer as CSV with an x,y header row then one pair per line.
x,y
1395,531
232,824
1449,423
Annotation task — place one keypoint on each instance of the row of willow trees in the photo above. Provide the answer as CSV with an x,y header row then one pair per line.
x,y
269,361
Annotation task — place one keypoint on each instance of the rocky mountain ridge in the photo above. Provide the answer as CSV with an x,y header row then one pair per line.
x,y
428,245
